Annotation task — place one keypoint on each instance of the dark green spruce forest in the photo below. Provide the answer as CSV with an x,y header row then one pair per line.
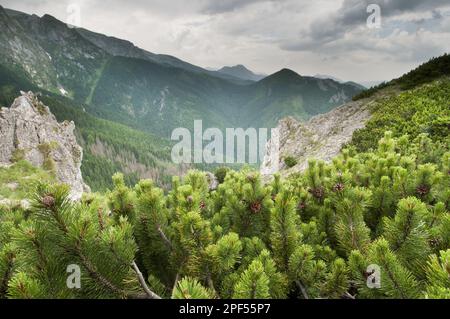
x,y
384,200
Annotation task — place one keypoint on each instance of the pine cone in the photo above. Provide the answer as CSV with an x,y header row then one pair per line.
x,y
422,190
433,242
48,201
202,205
189,199
317,192
255,207
301,206
339,187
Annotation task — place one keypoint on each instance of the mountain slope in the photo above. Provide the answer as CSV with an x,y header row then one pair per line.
x,y
75,61
123,48
425,109
23,55
158,98
108,147
362,123
321,137
286,93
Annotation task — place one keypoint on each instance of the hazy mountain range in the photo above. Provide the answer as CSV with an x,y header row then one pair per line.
x,y
152,92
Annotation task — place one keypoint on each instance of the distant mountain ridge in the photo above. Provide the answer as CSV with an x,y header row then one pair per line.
x,y
241,72
155,93
330,77
124,48
325,76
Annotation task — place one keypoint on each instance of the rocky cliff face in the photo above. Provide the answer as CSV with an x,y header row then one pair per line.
x,y
322,137
28,130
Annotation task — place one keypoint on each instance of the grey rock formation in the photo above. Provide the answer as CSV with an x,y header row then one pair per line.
x,y
322,137
29,131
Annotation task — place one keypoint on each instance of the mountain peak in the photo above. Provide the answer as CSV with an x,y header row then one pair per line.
x,y
51,19
235,67
2,11
288,71
284,74
240,67
241,72
48,17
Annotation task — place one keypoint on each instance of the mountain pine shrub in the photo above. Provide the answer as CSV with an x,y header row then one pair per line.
x,y
314,234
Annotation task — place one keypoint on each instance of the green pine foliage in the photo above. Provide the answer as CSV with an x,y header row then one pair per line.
x,y
437,275
313,235
424,110
189,288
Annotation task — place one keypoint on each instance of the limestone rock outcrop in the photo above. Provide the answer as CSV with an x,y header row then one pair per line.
x,y
321,138
29,131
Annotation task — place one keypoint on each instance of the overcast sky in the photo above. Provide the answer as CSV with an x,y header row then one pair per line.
x,y
321,36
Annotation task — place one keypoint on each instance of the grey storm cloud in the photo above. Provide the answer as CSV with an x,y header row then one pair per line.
x,y
354,13
167,7
221,6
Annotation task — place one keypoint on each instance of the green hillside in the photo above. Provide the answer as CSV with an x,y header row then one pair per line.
x,y
286,93
425,109
159,98
108,147
75,62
